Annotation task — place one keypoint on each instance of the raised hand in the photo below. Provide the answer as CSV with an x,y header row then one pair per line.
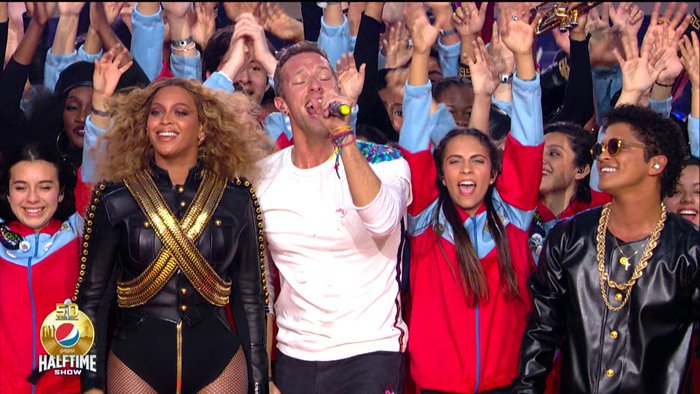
x,y
203,25
395,42
483,71
235,56
627,18
108,71
469,20
503,58
519,35
355,9
601,43
672,24
690,51
112,10
70,8
638,74
276,21
350,80
39,12
176,9
664,50
235,8
423,34
248,27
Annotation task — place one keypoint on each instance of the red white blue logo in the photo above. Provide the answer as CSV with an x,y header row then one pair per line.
x,y
67,334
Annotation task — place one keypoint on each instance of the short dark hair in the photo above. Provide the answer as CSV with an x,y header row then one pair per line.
x,y
661,135
445,83
287,53
35,152
581,143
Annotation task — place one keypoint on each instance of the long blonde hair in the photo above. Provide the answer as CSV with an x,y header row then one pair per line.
x,y
233,144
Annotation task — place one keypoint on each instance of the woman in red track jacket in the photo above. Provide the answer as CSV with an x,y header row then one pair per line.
x,y
38,270
469,225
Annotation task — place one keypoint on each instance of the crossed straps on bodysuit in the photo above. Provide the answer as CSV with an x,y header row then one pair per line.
x,y
177,237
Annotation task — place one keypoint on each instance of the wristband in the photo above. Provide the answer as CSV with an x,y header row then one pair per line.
x,y
666,86
98,112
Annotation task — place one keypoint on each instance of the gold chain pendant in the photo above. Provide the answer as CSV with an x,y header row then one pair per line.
x,y
625,261
638,270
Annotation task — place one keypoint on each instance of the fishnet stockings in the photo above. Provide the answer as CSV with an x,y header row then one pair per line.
x,y
233,379
121,379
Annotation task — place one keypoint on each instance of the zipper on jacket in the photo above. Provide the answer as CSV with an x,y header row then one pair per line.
x,y
478,337
32,306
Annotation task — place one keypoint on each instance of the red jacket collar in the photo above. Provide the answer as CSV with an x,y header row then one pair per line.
x,y
572,209
463,215
19,228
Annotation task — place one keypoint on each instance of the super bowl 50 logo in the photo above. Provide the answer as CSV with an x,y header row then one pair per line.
x,y
67,335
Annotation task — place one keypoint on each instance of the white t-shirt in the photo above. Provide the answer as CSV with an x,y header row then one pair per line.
x,y
339,294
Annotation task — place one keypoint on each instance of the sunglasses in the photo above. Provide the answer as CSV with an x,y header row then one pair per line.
x,y
613,146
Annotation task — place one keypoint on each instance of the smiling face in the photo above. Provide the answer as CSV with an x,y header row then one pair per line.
x,y
686,198
559,171
173,125
34,192
468,172
627,172
75,110
307,77
459,99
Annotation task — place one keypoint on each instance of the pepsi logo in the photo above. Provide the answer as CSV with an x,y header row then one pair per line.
x,y
67,335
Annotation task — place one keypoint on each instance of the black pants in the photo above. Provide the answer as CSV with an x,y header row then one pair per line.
x,y
371,373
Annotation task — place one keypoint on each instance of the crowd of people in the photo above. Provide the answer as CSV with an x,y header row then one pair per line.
x,y
377,198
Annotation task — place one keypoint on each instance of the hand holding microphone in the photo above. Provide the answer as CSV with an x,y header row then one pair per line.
x,y
338,109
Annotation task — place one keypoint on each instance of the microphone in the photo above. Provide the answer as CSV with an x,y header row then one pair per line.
x,y
338,109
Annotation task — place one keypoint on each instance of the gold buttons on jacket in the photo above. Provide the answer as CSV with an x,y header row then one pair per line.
x,y
183,291
180,189
217,222
183,204
183,308
147,224
613,334
618,297
610,373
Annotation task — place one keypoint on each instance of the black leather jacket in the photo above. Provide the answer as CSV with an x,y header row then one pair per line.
x,y
643,348
122,245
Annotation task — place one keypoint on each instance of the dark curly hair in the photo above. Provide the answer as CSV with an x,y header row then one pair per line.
x,y
581,143
662,136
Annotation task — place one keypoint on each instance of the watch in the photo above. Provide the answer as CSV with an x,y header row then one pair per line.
x,y
447,33
505,78
181,43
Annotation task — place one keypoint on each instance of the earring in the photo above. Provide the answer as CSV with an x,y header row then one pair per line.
x,y
656,166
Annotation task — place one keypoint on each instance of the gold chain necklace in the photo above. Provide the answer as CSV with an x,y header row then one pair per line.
x,y
648,250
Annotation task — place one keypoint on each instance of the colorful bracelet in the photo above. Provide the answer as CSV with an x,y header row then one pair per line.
x,y
337,139
339,129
